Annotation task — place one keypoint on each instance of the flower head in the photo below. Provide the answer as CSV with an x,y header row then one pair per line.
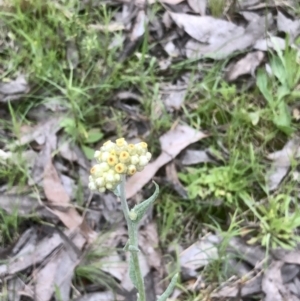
x,y
124,156
131,170
116,159
131,148
120,168
112,160
121,142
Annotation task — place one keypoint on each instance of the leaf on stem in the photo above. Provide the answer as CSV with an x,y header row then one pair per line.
x,y
141,208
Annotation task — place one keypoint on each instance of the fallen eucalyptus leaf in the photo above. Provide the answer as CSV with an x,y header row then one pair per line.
x,y
246,65
291,27
198,6
172,143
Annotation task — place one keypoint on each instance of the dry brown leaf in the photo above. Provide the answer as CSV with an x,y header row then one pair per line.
x,y
199,254
43,156
16,288
291,257
294,287
172,178
72,153
25,204
291,27
172,143
271,42
191,157
246,65
272,284
218,38
139,26
149,244
13,89
177,139
41,131
58,273
207,29
232,290
57,196
113,265
175,97
198,6
289,272
282,162
253,255
25,259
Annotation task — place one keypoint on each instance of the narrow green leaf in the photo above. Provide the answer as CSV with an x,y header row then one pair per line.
x,y
169,289
283,119
282,91
262,84
278,69
117,191
141,208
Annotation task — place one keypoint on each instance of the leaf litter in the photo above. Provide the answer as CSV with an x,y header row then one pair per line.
x,y
14,89
172,143
196,34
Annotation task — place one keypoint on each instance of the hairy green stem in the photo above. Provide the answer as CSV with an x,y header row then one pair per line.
x,y
133,242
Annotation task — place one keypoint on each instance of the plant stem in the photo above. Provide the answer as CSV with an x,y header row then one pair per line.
x,y
133,242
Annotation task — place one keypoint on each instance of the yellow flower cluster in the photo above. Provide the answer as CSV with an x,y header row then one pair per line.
x,y
115,159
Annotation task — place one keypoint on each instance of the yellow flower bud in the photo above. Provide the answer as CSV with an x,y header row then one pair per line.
x,y
131,148
97,154
124,157
120,168
113,152
107,146
148,156
109,177
134,159
101,189
121,142
117,177
131,170
143,161
95,169
109,186
112,160
107,142
104,156
104,166
92,186
100,181
143,145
